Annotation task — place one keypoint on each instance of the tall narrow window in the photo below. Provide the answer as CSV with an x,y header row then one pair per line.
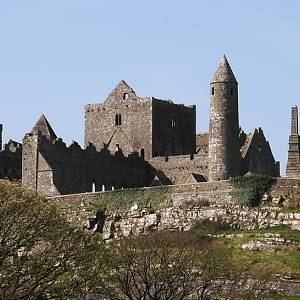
x,y
231,91
142,153
173,123
125,96
118,119
212,90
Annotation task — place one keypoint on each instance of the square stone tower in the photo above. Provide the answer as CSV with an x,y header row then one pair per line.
x,y
146,125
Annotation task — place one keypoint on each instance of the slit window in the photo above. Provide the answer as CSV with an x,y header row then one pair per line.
x,y
173,123
118,119
212,90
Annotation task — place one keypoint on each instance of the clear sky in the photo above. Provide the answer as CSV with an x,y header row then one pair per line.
x,y
57,55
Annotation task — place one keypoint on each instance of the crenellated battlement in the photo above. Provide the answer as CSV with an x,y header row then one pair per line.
x,y
55,168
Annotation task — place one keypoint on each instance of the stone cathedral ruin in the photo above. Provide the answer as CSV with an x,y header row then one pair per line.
x,y
132,141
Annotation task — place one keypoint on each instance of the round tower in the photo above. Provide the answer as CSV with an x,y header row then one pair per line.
x,y
224,146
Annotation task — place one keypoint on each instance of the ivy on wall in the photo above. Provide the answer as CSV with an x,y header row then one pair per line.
x,y
248,190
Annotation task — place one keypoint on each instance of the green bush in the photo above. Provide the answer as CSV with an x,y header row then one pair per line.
x,y
207,226
248,190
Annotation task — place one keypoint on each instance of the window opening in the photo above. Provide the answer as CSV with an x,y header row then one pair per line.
x,y
118,120
173,123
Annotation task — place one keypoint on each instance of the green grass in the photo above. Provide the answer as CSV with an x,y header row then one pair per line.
x,y
284,230
122,200
286,262
291,209
287,298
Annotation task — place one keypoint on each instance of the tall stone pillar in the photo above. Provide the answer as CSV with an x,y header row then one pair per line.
x,y
224,146
293,164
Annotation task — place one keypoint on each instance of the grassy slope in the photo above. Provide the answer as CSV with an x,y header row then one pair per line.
x,y
285,262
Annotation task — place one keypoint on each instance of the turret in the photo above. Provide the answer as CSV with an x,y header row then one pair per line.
x,y
224,151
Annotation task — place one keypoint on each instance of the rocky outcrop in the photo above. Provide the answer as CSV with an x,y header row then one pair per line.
x,y
137,212
141,221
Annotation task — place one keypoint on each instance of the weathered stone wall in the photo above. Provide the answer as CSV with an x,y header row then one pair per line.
x,y
257,157
124,120
184,205
147,125
11,161
52,168
178,168
173,128
202,140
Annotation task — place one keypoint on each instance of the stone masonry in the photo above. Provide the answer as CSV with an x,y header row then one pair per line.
x,y
293,164
10,159
224,151
149,126
133,141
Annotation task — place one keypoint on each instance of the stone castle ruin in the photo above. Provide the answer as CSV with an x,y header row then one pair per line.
x,y
10,159
133,141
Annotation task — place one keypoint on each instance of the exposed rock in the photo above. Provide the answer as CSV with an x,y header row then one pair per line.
x,y
141,221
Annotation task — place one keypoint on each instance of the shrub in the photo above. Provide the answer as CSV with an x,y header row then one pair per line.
x,y
248,190
207,226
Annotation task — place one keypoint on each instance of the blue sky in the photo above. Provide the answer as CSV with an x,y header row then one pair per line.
x,y
56,56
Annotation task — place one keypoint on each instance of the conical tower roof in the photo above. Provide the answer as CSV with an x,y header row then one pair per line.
x,y
224,72
44,127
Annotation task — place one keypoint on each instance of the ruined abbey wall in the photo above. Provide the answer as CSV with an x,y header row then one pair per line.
x,y
257,157
133,141
179,168
54,169
149,126
11,161
173,128
123,121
